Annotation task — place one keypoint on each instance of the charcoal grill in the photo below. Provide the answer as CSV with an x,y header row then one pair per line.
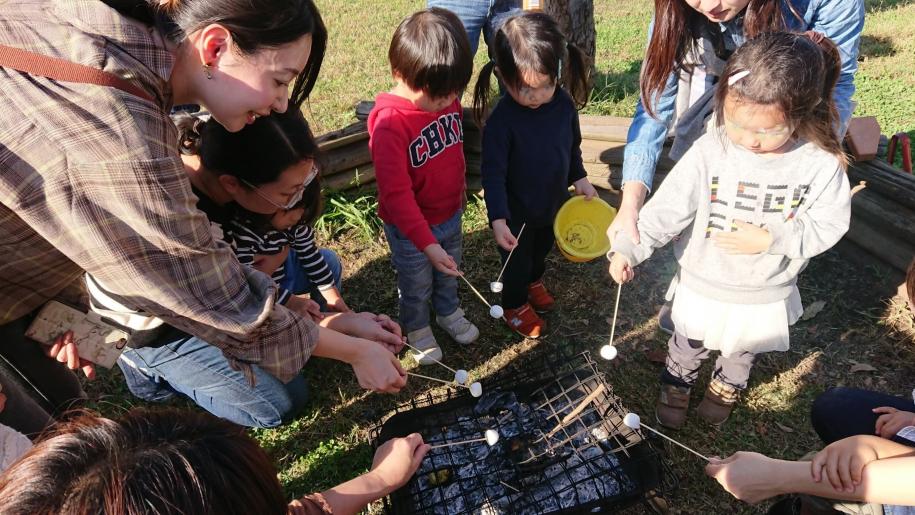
x,y
563,447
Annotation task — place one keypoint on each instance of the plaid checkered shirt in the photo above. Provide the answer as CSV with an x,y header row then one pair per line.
x,y
91,181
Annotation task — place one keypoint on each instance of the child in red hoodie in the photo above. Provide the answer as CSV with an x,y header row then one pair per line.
x,y
416,139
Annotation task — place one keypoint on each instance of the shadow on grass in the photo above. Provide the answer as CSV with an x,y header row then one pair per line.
x,y
876,6
876,46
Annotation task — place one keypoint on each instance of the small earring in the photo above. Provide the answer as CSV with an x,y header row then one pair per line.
x,y
206,70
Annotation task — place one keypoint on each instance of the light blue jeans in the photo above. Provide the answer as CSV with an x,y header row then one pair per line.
x,y
479,16
191,367
296,281
418,281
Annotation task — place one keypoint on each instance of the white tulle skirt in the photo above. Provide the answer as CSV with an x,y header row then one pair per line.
x,y
731,328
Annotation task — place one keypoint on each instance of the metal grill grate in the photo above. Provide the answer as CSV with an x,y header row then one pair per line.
x,y
563,446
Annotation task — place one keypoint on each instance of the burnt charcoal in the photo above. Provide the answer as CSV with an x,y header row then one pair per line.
x,y
494,401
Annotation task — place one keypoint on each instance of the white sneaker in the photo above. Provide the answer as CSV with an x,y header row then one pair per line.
x,y
458,328
424,340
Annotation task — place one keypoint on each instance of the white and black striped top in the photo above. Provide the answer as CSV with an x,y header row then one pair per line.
x,y
249,243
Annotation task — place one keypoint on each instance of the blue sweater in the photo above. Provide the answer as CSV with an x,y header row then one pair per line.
x,y
530,158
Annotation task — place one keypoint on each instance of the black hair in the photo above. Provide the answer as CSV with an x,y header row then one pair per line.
x,y
431,53
533,42
258,154
162,461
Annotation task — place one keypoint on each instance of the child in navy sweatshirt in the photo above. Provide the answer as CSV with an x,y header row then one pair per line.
x,y
531,153
417,145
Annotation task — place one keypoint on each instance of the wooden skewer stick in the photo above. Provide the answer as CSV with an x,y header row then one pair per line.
x,y
475,291
452,383
430,357
616,308
456,443
672,440
506,484
511,252
578,409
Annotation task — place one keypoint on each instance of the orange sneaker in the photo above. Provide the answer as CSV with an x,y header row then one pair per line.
x,y
525,321
540,297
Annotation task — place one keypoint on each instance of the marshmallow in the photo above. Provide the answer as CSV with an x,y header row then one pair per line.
x,y
496,311
495,286
632,421
476,389
460,376
608,352
492,436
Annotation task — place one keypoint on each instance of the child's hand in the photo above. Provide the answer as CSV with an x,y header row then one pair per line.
x,y
441,260
747,239
892,420
620,269
843,461
335,300
584,187
503,235
65,350
305,307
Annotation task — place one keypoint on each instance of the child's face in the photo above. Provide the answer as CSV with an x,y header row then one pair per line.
x,y
286,218
761,129
536,89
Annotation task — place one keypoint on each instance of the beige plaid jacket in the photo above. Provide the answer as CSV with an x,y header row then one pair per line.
x,y
91,181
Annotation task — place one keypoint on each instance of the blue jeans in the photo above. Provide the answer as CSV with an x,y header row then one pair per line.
x,y
842,412
479,16
298,283
418,281
192,367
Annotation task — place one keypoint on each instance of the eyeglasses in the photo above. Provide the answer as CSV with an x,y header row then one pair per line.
x,y
296,197
763,134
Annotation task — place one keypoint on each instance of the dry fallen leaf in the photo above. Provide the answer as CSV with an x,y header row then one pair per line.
x,y
784,428
813,309
862,367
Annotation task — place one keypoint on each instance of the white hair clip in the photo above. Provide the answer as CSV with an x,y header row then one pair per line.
x,y
737,76
559,78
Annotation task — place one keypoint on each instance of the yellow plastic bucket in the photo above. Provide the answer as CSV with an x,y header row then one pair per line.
x,y
581,228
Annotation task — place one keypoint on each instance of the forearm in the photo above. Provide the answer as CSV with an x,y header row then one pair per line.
x,y
354,495
336,345
886,481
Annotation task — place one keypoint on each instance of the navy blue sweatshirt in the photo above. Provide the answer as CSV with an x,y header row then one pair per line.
x,y
530,158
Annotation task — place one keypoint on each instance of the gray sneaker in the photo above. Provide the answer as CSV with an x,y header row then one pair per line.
x,y
424,340
458,328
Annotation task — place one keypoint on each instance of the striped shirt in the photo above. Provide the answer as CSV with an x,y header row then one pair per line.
x,y
91,181
249,243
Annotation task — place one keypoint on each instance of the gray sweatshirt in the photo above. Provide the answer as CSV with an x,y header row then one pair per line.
x,y
801,197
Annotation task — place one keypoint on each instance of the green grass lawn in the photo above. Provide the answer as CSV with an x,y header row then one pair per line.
x,y
328,442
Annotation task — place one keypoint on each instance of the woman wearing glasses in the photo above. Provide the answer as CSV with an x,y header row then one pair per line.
x,y
259,188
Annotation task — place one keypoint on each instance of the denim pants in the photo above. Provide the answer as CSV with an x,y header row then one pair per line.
x,y
296,281
479,16
418,281
842,412
685,356
192,367
528,262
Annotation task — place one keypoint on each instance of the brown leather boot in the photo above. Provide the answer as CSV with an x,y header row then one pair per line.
x,y
718,402
672,405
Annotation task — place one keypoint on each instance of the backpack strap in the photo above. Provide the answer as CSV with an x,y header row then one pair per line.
x,y
65,71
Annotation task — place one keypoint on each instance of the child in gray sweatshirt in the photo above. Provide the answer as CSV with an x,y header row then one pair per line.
x,y
762,192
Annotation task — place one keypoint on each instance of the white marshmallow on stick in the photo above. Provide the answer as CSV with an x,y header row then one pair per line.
x,y
496,286
491,437
632,421
476,389
495,310
461,376
608,352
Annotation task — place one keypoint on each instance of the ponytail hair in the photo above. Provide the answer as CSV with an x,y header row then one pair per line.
x,y
797,73
678,29
532,42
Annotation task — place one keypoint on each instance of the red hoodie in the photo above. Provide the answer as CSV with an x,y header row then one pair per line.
x,y
419,165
